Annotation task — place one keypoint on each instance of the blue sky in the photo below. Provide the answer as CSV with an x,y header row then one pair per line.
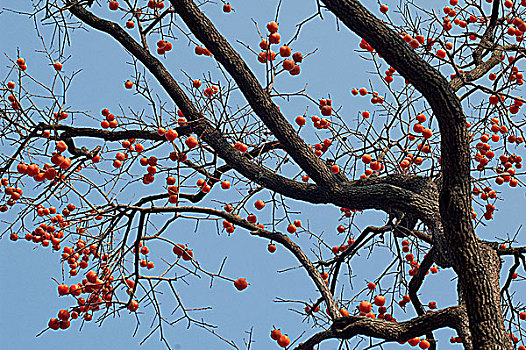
x,y
28,296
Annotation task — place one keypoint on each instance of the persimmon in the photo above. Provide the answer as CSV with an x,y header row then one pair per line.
x,y
275,334
128,84
295,70
188,255
171,135
344,312
240,283
300,120
63,315
365,306
225,185
375,165
264,44
259,204
272,27
91,276
227,8
291,228
274,38
297,57
271,248
384,9
63,289
424,344
379,300
335,168
114,5
57,66
11,85
413,341
285,51
133,306
54,324
284,341
191,142
196,83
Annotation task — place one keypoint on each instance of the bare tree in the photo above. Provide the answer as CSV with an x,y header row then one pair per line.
x,y
431,155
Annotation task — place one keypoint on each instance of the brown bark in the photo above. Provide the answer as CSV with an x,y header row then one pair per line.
x,y
475,264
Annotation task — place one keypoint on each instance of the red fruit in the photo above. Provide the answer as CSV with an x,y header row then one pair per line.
x,y
413,341
427,133
493,99
365,307
274,38
297,57
285,51
295,70
366,158
225,185
63,289
259,204
424,344
130,24
114,5
272,27
371,285
54,324
191,142
188,255
275,334
57,66
91,276
134,305
379,300
170,135
291,229
271,248
326,110
227,8
178,249
128,84
63,315
284,341
240,283
300,120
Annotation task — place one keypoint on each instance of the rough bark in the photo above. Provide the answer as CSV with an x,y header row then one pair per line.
x,y
475,264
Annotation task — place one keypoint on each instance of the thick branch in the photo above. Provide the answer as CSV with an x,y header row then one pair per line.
x,y
348,327
257,97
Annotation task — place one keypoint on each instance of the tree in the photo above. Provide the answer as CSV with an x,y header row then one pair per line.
x,y
442,139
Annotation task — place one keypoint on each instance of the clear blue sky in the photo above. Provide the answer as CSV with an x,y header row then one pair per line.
x,y
28,296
